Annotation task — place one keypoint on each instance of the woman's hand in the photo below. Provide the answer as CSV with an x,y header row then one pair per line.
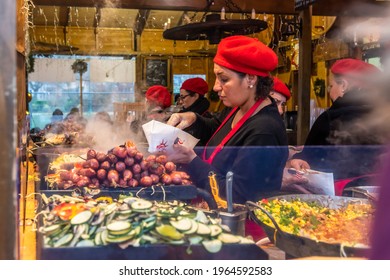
x,y
181,154
182,120
298,164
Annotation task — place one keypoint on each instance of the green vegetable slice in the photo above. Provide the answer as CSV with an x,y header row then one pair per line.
x,y
141,205
203,229
212,246
228,238
193,229
85,243
63,240
119,227
215,230
169,231
81,218
182,225
50,229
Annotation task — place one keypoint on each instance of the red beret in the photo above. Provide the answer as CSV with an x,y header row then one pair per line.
x,y
246,55
354,68
197,85
160,95
280,87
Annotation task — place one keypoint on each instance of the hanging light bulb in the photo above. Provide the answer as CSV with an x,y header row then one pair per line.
x,y
223,16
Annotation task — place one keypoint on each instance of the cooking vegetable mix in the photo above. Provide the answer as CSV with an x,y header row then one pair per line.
x,y
349,225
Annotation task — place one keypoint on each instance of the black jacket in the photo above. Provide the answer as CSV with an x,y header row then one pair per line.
x,y
256,155
341,141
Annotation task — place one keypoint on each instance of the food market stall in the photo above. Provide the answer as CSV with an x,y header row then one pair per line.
x,y
267,8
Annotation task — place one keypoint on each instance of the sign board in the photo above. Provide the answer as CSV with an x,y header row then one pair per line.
x,y
301,4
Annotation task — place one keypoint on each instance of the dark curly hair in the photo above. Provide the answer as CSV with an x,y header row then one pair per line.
x,y
263,87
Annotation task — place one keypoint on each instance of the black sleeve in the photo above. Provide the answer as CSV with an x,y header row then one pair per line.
x,y
204,127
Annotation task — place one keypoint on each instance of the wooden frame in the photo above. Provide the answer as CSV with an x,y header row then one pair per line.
x,y
156,71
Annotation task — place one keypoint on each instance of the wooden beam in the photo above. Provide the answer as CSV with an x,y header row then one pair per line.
x,y
140,21
320,7
273,6
9,226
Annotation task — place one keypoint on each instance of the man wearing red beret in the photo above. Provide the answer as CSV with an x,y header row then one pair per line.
x,y
280,93
192,96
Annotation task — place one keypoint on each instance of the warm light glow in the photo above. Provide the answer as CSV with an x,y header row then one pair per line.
x,y
223,13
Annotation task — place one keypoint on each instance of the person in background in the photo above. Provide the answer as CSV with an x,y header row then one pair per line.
x,y
57,116
280,93
55,126
351,87
192,97
158,99
103,117
74,116
250,139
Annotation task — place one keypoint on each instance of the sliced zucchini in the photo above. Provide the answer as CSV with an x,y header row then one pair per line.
x,y
169,232
119,227
212,246
182,225
50,229
63,240
149,239
215,230
98,239
104,236
245,240
193,229
81,218
177,242
110,208
119,239
195,239
85,243
229,238
141,204
201,217
203,229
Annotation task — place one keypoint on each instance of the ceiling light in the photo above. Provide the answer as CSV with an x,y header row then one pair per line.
x,y
214,29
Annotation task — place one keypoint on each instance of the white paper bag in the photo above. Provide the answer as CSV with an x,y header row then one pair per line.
x,y
317,182
161,137
320,182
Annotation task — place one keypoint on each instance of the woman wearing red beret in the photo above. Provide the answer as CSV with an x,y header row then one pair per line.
x,y
249,138
192,97
280,93
351,85
158,99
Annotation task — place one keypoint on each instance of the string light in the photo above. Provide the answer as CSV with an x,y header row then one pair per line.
x,y
223,17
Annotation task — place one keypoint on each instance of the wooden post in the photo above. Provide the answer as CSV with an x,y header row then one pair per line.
x,y
304,76
81,94
8,166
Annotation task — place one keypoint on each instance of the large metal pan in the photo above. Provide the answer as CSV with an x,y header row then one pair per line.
x,y
298,246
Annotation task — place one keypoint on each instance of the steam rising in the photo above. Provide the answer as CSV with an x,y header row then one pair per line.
x,y
374,33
